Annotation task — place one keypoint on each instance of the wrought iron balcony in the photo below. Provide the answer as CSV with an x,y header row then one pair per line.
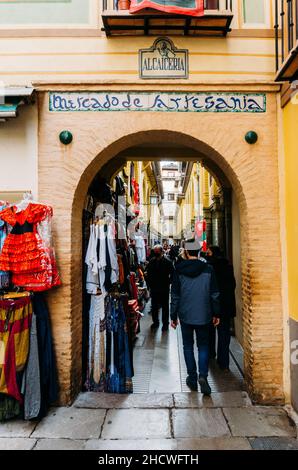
x,y
286,39
216,21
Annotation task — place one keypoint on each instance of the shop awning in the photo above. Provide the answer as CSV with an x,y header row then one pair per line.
x,y
12,98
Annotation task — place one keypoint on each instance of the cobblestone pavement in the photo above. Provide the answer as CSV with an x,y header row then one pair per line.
x,y
180,421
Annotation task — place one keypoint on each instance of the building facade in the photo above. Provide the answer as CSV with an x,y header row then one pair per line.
x,y
85,68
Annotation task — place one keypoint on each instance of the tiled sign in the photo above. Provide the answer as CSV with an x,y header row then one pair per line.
x,y
103,101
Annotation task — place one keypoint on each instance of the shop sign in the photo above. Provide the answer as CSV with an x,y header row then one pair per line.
x,y
163,60
157,101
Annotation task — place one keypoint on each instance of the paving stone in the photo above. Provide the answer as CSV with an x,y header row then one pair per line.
x,y
199,423
137,444
110,401
16,443
60,444
274,443
17,428
71,423
136,424
216,400
216,443
259,421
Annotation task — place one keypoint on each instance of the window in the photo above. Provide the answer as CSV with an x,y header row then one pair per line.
x,y
171,197
255,12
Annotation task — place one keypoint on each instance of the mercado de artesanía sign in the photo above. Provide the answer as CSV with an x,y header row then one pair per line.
x,y
157,101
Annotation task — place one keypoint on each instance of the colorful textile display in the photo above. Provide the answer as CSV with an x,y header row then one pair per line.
x,y
15,322
30,259
4,276
182,7
119,367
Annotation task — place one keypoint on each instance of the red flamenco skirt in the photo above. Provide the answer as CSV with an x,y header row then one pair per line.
x,y
33,266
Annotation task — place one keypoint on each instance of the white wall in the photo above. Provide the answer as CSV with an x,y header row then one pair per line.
x,y
18,152
237,267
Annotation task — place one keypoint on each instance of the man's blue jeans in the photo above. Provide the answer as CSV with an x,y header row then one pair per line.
x,y
202,337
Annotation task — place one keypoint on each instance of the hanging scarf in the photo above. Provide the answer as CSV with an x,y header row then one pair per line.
x,y
182,7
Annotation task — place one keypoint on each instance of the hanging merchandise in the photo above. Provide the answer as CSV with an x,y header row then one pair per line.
x,y
136,197
96,375
46,356
4,276
15,322
201,233
28,379
30,258
140,247
119,367
91,260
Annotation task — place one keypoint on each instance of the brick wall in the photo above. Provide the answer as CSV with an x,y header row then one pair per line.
x,y
65,173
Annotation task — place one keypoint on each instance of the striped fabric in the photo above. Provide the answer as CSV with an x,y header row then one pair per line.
x,y
183,7
15,321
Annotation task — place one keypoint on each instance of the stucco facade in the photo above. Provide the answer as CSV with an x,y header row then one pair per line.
x,y
252,171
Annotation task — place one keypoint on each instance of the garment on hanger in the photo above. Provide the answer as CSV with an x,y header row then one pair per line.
x,y
47,363
91,259
96,376
24,253
119,367
31,377
140,247
133,286
15,322
4,276
121,269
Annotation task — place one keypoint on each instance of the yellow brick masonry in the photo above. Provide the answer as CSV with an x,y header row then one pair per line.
x,y
65,173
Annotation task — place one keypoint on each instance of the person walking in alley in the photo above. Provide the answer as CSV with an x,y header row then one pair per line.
x,y
195,301
159,277
224,274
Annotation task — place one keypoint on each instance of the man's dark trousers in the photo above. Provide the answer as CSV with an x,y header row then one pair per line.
x,y
160,299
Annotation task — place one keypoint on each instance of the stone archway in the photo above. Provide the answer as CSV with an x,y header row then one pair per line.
x,y
65,174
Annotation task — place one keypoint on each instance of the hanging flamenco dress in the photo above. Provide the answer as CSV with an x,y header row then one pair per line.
x,y
4,276
25,254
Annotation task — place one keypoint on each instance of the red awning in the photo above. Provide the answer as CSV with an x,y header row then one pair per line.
x,y
182,7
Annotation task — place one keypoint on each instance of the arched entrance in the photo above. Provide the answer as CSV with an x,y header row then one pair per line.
x,y
251,172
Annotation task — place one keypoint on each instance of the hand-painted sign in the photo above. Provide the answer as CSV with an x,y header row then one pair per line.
x,y
98,101
163,60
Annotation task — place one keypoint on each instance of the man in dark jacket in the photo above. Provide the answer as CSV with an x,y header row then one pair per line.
x,y
224,274
195,300
159,277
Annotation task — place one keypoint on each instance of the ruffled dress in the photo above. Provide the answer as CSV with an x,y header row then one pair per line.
x,y
4,276
30,260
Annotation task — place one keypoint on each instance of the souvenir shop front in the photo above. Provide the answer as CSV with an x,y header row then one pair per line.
x,y
115,250
66,172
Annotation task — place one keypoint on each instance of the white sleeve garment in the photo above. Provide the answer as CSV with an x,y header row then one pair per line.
x,y
92,281
113,254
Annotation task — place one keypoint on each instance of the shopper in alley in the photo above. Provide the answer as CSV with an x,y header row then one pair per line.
x,y
159,277
195,302
226,283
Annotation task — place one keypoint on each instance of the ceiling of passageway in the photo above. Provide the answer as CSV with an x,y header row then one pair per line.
x,y
162,151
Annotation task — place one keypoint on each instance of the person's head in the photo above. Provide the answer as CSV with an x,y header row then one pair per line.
x,y
214,251
158,251
192,248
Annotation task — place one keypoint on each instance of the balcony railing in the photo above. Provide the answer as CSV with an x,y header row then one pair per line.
x,y
286,39
216,21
